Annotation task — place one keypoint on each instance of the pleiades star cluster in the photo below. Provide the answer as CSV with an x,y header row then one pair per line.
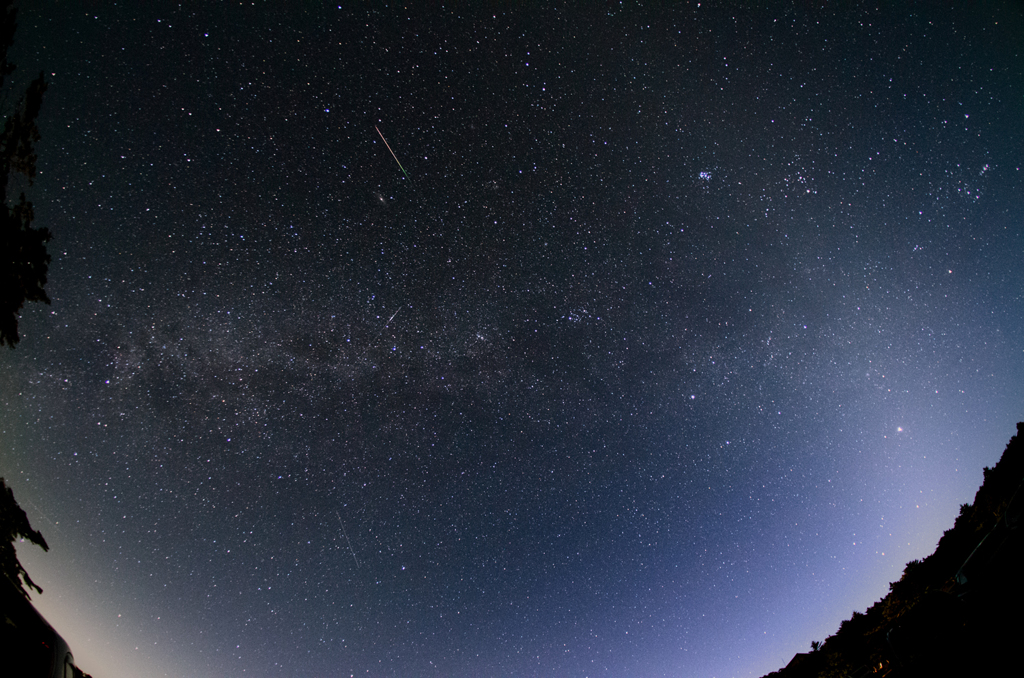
x,y
508,339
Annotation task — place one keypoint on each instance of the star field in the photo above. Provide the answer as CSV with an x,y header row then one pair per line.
x,y
688,329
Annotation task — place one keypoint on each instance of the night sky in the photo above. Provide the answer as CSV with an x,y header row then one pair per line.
x,y
688,328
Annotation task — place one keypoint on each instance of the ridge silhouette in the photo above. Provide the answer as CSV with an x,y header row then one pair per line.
x,y
951,613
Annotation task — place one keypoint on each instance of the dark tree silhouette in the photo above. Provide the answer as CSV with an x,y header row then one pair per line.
x,y
23,263
13,526
23,257
933,622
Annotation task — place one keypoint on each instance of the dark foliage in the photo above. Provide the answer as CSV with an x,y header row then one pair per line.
x,y
14,525
23,266
925,613
23,257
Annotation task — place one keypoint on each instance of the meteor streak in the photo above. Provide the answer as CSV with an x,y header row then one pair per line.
x,y
392,153
352,550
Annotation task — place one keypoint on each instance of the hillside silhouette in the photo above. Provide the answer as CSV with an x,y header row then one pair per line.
x,y
954,612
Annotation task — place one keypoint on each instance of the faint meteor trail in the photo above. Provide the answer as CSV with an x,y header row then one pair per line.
x,y
389,320
347,540
392,153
